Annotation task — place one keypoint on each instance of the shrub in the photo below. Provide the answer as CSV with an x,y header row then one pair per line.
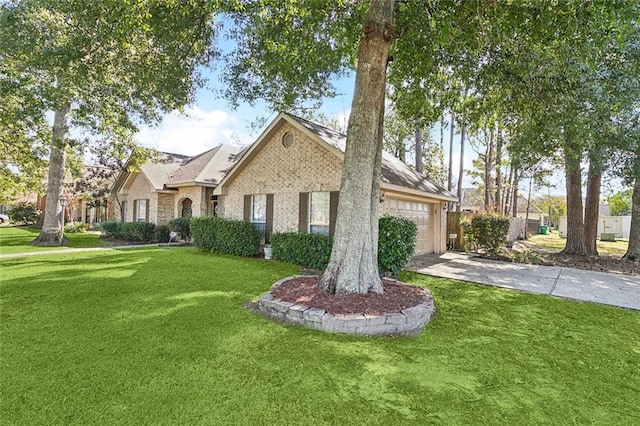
x,y
470,244
24,212
396,243
236,237
310,250
74,227
111,229
489,232
161,234
137,232
202,230
181,226
225,235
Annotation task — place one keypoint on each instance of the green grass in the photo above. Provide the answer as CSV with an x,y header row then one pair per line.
x,y
160,336
552,243
15,239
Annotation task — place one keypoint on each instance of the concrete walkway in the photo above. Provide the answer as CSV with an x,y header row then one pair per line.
x,y
63,250
590,286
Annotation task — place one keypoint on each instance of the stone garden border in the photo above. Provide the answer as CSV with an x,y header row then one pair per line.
x,y
408,322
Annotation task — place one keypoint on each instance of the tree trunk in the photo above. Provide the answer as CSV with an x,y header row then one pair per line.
x,y
498,200
514,197
418,150
592,205
507,192
575,222
353,266
526,214
450,171
633,251
50,234
461,172
488,167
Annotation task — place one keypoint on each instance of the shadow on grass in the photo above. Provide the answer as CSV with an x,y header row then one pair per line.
x,y
171,343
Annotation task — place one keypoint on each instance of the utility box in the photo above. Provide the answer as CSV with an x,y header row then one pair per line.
x,y
607,237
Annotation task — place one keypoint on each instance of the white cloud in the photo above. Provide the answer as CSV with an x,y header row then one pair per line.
x,y
194,132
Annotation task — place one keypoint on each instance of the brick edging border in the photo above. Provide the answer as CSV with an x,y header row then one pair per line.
x,y
408,322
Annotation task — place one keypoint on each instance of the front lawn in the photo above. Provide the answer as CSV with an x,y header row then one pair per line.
x,y
17,239
160,336
552,243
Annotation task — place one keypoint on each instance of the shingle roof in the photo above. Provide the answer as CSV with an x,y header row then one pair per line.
x,y
206,168
158,172
394,171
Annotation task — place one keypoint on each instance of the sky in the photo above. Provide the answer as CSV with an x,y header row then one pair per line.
x,y
211,121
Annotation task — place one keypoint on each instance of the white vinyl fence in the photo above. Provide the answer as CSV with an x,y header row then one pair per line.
x,y
619,225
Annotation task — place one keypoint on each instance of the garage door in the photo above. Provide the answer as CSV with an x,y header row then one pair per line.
x,y
422,214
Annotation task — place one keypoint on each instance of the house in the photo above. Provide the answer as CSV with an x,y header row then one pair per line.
x,y
88,197
473,201
288,180
173,186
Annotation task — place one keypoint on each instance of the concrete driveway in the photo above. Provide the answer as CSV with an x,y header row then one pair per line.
x,y
590,286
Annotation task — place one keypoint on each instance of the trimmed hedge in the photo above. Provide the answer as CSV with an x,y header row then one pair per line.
x,y
135,232
230,236
488,232
181,226
24,212
310,250
161,234
202,231
396,243
74,227
110,229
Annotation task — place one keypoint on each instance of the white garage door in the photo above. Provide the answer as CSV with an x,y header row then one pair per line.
x,y
422,214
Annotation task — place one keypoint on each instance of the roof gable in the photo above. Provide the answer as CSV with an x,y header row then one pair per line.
x,y
206,169
395,173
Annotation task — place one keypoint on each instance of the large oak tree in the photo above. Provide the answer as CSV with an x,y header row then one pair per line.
x,y
98,67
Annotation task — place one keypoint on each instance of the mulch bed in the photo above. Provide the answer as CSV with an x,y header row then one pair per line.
x,y
396,297
594,263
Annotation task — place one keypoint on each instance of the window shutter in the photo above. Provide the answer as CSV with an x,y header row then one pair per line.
x,y
247,208
334,196
135,211
303,213
146,214
269,224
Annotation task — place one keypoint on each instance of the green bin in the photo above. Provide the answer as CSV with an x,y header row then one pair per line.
x,y
544,229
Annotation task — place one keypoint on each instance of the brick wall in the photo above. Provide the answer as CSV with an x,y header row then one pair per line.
x,y
304,166
140,189
197,196
165,208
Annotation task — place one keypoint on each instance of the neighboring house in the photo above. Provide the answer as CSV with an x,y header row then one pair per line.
x,y
288,180
473,201
173,186
88,197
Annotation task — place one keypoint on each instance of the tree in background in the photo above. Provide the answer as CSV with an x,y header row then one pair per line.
x,y
620,203
552,205
101,68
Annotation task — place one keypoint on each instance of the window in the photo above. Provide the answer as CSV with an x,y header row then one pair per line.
x,y
287,140
319,211
259,212
142,211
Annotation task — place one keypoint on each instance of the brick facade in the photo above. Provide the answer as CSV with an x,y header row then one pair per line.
x,y
163,206
304,166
